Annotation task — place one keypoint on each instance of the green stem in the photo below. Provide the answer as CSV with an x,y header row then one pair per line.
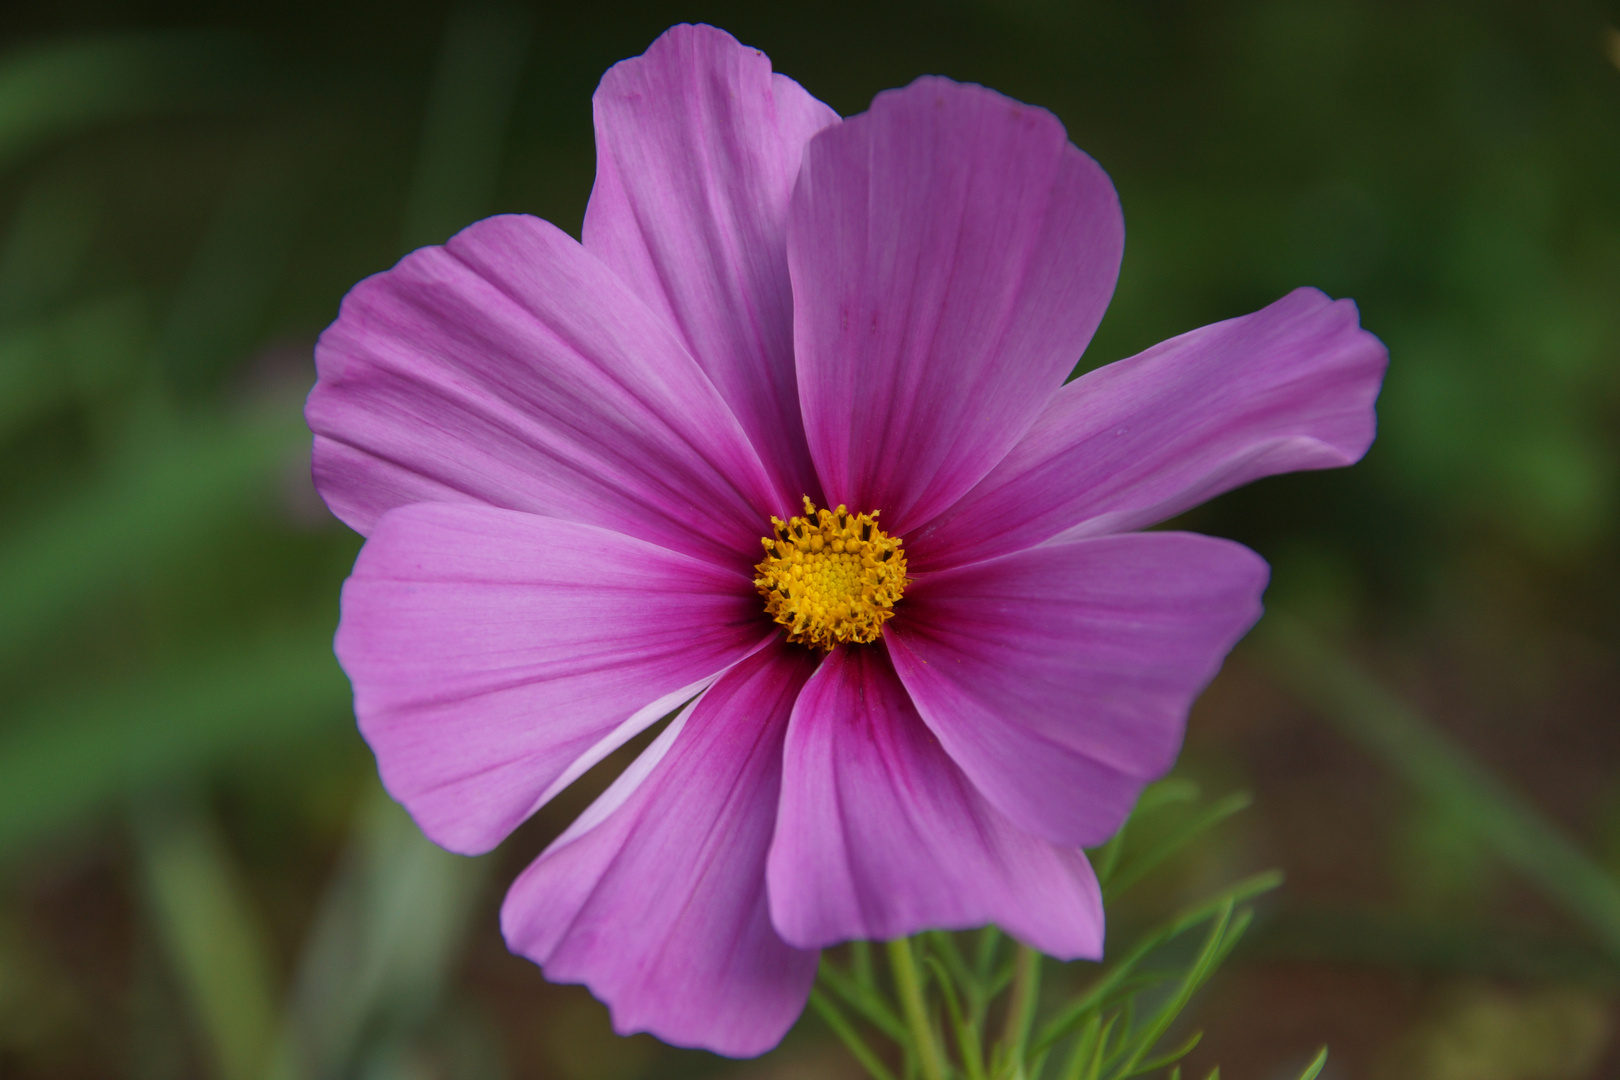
x,y
1021,1009
904,964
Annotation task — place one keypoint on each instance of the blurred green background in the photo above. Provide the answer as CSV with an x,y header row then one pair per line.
x,y
198,875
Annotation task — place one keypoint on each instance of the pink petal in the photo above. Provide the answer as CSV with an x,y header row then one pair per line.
x,y
880,835
1059,677
697,146
951,255
497,655
1128,445
656,898
512,368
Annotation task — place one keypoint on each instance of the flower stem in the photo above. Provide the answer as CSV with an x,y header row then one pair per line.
x,y
904,965
1021,1009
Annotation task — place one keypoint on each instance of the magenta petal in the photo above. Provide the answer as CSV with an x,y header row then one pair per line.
x,y
1059,677
512,368
952,254
655,898
496,655
1128,445
880,835
697,146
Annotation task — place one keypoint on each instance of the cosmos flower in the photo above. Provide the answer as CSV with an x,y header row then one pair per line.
x,y
785,444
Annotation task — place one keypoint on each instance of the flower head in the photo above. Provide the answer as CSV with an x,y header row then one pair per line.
x,y
844,341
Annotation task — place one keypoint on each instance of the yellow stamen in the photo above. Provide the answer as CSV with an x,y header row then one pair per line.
x,y
831,576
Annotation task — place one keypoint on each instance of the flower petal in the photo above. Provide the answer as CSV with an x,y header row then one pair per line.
x,y
512,368
697,147
1128,445
656,898
951,254
880,835
497,655
1059,677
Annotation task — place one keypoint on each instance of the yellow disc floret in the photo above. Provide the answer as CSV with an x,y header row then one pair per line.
x,y
830,576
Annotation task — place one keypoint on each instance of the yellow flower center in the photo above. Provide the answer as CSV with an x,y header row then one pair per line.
x,y
830,576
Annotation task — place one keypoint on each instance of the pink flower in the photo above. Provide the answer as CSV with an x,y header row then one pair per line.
x,y
565,457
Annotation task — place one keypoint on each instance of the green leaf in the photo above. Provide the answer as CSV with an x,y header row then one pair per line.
x,y
1312,1071
1443,772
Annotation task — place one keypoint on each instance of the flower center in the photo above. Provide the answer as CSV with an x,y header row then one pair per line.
x,y
830,576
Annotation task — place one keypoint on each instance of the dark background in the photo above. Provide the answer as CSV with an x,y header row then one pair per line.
x,y
194,858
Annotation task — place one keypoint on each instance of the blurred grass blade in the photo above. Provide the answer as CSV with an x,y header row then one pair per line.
x,y
79,750
46,243
391,925
464,130
54,90
80,352
1442,772
165,495
218,947
219,308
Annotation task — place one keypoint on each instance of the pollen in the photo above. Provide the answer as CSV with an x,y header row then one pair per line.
x,y
830,576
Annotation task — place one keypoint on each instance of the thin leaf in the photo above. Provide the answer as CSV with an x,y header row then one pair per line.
x,y
984,960
1071,1015
1234,934
848,1036
968,1045
863,999
944,944
1163,793
860,963
1140,866
1166,792
1171,1057
1201,969
1106,858
1084,1049
1312,1071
